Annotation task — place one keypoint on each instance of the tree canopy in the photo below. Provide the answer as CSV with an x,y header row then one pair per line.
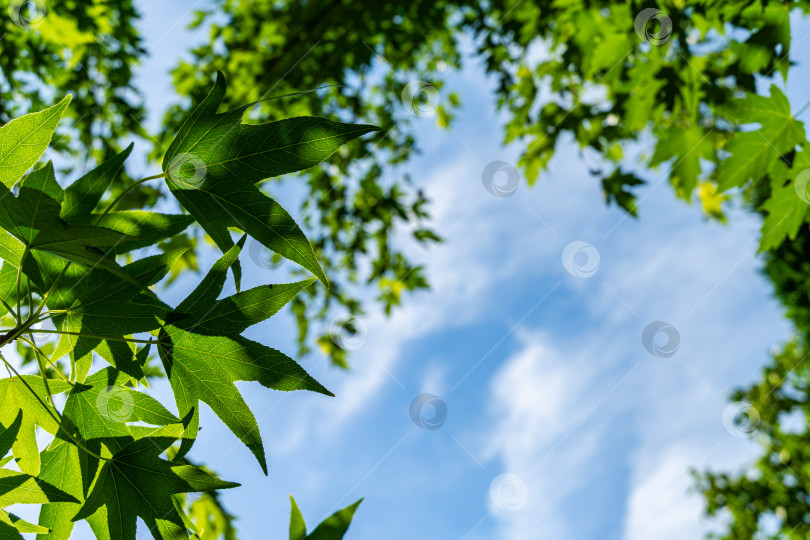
x,y
695,85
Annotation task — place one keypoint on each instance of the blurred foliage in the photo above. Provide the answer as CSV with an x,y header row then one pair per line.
x,y
677,79
770,499
89,48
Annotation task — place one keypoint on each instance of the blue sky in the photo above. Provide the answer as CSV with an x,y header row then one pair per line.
x,y
543,373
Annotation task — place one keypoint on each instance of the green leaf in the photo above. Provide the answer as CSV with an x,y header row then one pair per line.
x,y
204,367
111,309
83,195
752,152
20,524
62,468
215,160
16,254
333,528
235,314
136,482
785,210
8,532
97,413
298,528
144,228
99,410
25,139
686,147
16,398
9,435
33,218
20,488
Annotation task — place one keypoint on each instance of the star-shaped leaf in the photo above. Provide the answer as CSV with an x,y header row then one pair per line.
x,y
215,160
101,315
83,195
204,355
136,482
98,413
21,488
33,218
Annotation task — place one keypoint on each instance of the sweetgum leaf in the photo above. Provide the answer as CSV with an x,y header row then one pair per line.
x,y
204,367
215,160
753,152
33,218
136,482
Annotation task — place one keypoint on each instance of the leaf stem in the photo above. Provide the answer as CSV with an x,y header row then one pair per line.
x,y
17,286
8,308
127,190
38,350
102,216
41,368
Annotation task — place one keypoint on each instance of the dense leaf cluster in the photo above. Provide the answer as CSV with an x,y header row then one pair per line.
x,y
108,461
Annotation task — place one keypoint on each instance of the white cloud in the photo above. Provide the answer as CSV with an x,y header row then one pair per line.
x,y
662,504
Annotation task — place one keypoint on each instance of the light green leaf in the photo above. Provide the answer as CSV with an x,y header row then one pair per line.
x,y
298,528
16,398
62,467
25,139
9,435
20,524
20,488
333,528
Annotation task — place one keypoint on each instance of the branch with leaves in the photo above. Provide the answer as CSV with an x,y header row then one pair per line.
x,y
60,269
